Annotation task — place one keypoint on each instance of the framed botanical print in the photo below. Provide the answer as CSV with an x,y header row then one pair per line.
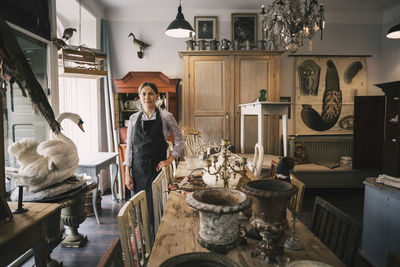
x,y
244,27
205,28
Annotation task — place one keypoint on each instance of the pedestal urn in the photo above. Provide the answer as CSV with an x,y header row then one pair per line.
x,y
219,217
270,201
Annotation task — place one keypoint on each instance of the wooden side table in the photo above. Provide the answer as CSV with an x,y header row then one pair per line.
x,y
260,109
92,164
25,231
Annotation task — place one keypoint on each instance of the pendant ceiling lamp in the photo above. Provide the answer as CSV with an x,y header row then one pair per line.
x,y
394,32
180,28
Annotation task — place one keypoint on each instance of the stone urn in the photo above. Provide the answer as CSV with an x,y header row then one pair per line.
x,y
270,201
219,217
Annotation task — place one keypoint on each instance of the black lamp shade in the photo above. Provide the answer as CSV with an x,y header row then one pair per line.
x,y
180,28
394,32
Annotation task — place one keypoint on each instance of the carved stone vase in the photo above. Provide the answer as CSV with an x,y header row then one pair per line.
x,y
72,216
219,217
270,200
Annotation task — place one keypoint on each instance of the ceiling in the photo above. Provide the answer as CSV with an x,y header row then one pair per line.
x,y
336,5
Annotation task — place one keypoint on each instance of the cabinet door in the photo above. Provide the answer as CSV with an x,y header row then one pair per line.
x,y
211,97
253,73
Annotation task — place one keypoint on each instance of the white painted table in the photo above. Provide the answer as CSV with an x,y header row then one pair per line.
x,y
91,164
260,109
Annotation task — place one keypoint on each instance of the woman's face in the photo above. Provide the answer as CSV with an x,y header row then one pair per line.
x,y
148,97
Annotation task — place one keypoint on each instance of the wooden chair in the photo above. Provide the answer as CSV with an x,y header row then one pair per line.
x,y
134,229
113,255
256,166
393,260
160,196
173,164
337,230
296,201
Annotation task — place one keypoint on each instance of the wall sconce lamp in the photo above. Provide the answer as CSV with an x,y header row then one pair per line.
x,y
394,32
180,28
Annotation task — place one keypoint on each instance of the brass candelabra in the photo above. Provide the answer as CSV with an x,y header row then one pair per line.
x,y
225,170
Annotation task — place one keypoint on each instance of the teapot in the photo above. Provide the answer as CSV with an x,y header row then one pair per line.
x,y
202,44
214,44
261,44
190,44
236,44
225,44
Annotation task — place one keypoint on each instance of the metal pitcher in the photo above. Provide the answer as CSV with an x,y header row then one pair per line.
x,y
225,44
190,44
248,44
236,44
214,44
202,44
261,44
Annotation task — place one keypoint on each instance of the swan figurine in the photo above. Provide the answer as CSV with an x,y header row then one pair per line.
x,y
49,162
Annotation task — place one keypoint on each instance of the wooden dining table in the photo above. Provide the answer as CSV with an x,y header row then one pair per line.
x,y
179,227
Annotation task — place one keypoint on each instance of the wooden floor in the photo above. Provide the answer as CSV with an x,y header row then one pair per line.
x,y
100,237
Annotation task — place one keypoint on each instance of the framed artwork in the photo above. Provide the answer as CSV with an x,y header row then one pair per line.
x,y
244,27
5,213
325,87
205,28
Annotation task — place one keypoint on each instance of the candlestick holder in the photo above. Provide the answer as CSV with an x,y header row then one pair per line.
x,y
20,208
223,169
293,243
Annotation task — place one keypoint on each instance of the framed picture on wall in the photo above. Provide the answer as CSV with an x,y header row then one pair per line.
x,y
244,27
205,28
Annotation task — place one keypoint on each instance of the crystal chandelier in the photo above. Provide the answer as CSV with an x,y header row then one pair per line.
x,y
287,23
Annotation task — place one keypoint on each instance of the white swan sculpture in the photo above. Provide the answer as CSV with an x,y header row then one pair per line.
x,y
49,162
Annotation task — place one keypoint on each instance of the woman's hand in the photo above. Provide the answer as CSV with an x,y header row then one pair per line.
x,y
164,163
128,179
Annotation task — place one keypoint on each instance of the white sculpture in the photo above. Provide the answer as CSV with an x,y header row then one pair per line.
x,y
49,162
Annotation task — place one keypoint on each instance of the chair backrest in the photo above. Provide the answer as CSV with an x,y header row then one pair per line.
x,y
173,164
134,229
393,260
337,230
258,160
113,255
296,201
272,170
160,196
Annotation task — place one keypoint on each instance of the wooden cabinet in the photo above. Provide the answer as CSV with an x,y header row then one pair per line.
x,y
126,100
391,145
369,114
216,82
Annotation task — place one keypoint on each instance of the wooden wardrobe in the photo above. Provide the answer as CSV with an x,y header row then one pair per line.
x,y
216,82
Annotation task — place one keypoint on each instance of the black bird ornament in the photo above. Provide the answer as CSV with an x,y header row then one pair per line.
x,y
142,45
68,32
15,67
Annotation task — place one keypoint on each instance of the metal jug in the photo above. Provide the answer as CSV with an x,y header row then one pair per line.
x,y
214,44
236,44
248,44
261,44
225,44
202,44
190,44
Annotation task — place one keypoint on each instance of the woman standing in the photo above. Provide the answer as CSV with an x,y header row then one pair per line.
x,y
146,150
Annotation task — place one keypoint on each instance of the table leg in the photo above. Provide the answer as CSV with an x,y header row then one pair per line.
x,y
114,175
242,133
284,133
260,118
95,179
41,247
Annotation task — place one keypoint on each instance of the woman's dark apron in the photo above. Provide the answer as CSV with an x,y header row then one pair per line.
x,y
149,148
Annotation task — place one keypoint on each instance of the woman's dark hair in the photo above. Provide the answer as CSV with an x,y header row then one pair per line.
x,y
151,85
